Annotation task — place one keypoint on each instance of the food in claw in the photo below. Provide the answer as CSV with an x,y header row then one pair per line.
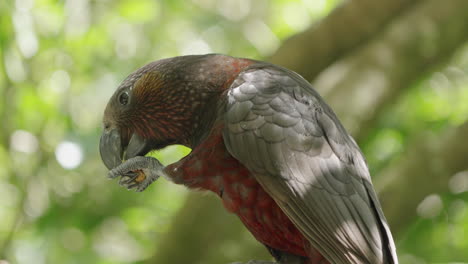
x,y
140,176
264,141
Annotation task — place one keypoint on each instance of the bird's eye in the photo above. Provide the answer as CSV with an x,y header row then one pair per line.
x,y
123,98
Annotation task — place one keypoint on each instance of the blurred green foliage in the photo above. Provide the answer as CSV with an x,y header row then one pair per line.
x,y
61,61
439,233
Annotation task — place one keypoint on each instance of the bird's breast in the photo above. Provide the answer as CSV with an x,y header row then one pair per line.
x,y
211,167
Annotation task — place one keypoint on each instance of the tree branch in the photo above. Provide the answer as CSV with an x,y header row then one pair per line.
x,y
344,29
361,85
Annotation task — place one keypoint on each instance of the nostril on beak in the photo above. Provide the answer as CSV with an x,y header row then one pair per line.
x,y
106,126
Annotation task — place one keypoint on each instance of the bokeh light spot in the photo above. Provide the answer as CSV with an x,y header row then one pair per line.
x,y
23,141
73,239
60,81
112,240
25,34
430,207
261,36
459,182
234,10
69,154
28,252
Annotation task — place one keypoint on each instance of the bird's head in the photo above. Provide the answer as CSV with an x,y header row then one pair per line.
x,y
164,103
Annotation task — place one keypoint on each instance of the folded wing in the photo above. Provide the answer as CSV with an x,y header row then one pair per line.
x,y
282,131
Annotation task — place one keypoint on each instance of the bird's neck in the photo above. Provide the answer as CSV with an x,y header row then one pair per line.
x,y
207,79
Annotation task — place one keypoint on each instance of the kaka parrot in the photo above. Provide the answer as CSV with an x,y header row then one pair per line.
x,y
264,141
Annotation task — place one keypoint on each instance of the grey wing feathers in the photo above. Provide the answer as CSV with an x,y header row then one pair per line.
x,y
282,131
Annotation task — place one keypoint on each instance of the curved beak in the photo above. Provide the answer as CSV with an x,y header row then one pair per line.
x,y
110,148
113,153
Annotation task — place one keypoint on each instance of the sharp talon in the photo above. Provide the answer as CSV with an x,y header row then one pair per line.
x,y
141,188
124,179
131,186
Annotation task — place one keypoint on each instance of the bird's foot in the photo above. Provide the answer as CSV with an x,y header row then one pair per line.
x,y
138,172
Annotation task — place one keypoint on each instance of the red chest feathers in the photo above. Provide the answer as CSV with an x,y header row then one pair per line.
x,y
211,167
